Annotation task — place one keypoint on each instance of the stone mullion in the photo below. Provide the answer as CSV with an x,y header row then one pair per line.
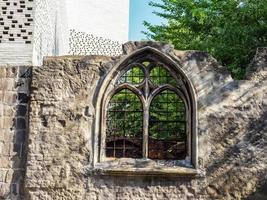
x,y
146,118
145,130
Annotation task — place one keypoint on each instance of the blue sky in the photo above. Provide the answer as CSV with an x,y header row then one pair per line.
x,y
140,11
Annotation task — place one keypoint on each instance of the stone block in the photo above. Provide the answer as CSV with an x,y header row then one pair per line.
x,y
7,84
8,122
2,135
9,110
4,148
4,190
11,72
6,135
2,72
2,95
10,98
5,162
2,175
1,110
9,175
12,151
1,123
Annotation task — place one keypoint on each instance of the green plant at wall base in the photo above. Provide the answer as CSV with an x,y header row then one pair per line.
x,y
230,30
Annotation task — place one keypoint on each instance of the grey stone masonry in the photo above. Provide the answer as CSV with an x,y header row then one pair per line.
x,y
257,69
66,99
14,105
49,137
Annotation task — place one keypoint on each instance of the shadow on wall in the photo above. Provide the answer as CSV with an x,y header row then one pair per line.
x,y
236,168
18,108
239,145
258,137
21,127
237,132
260,193
237,136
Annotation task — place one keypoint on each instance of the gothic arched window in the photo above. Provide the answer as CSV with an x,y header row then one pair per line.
x,y
147,112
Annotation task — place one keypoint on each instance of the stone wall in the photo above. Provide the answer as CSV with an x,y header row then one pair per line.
x,y
257,69
56,131
232,133
14,100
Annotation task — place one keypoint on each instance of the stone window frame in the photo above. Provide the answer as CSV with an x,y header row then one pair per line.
x,y
146,100
104,92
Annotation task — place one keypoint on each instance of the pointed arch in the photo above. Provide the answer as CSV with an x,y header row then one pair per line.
x,y
124,119
107,84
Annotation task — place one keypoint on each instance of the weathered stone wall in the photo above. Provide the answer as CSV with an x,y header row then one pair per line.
x,y
257,70
232,130
14,100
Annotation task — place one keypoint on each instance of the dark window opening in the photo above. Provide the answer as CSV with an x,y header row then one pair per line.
x,y
124,126
167,127
151,122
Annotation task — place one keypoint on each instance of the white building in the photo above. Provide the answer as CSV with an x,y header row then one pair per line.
x,y
98,26
102,18
32,29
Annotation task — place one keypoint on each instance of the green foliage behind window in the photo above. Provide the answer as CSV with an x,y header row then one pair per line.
x,y
167,117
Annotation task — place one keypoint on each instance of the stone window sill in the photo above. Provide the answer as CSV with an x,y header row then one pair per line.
x,y
143,167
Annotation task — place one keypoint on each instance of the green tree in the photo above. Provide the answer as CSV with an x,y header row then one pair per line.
x,y
230,30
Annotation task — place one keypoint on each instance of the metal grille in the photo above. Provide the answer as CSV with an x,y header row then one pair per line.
x,y
134,75
159,76
163,133
167,127
124,126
